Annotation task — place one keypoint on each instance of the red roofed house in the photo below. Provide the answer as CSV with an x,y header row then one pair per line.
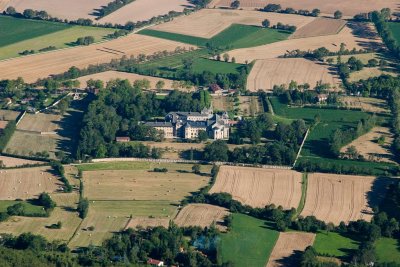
x,y
215,89
154,262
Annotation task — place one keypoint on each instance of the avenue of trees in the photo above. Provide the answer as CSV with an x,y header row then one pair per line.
x,y
381,25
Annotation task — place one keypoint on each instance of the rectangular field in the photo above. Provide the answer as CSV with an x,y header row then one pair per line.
x,y
27,183
349,8
141,10
259,187
172,186
40,122
249,242
269,72
112,75
71,9
60,39
288,244
207,23
319,27
335,198
202,215
331,42
14,162
38,66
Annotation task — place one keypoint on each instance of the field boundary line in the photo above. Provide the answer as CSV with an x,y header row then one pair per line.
x,y
301,147
303,198
19,119
270,108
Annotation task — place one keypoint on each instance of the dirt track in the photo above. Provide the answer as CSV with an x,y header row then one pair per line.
x,y
43,65
335,198
350,37
208,22
259,187
269,72
202,215
286,246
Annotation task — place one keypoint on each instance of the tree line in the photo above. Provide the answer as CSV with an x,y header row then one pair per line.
x,y
381,25
278,9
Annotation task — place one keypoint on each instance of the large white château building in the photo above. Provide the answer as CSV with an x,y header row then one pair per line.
x,y
187,125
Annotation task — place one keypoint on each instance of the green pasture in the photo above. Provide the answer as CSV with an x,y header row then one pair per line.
x,y
249,242
334,244
388,250
29,208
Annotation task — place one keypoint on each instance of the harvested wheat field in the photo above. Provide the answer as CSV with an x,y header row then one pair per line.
x,y
43,65
142,222
319,27
14,162
331,42
259,187
368,104
202,215
269,72
112,75
367,145
349,8
335,198
27,183
208,22
287,245
71,9
40,122
8,115
141,184
141,10
3,4
39,225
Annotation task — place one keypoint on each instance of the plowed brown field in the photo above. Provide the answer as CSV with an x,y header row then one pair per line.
x,y
331,42
43,65
287,245
208,22
202,215
335,198
27,183
269,72
319,27
349,8
259,187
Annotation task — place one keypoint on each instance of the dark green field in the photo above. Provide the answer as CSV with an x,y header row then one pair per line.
x,y
334,244
13,30
248,243
387,250
395,29
236,36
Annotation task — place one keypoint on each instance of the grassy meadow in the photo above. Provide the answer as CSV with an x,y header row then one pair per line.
x,y
334,244
19,35
387,250
395,29
249,242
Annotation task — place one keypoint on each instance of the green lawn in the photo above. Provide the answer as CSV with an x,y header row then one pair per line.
x,y
235,36
395,29
249,243
203,64
123,165
334,244
29,208
387,250
36,35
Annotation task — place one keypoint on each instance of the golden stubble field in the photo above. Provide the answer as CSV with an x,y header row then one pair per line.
x,y
141,10
43,65
349,8
208,22
335,198
71,9
259,187
319,27
27,183
287,245
202,215
351,37
278,71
